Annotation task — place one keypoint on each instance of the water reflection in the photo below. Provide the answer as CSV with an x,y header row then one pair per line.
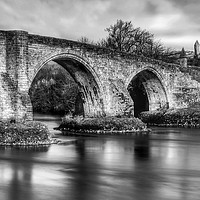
x,y
16,173
141,147
21,176
164,165
85,174
80,149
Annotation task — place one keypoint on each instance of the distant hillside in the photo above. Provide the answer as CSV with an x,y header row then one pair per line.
x,y
53,90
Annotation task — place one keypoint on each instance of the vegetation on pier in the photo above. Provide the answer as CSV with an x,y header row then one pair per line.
x,y
21,134
182,117
103,125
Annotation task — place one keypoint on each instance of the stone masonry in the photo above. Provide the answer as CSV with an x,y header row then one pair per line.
x,y
103,75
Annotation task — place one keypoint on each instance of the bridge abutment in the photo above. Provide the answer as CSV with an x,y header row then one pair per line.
x,y
15,101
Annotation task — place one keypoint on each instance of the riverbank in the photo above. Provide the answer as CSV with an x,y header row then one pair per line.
x,y
183,117
102,126
25,134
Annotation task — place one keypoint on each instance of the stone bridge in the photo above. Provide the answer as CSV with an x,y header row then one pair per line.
x,y
111,83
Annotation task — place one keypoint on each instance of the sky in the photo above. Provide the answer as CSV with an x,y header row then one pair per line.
x,y
175,23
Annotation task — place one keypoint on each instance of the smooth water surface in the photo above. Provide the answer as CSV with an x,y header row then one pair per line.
x,y
164,165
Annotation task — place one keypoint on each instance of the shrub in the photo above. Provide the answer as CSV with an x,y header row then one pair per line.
x,y
183,116
103,123
24,133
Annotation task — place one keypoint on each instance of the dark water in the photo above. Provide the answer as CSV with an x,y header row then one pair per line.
x,y
164,165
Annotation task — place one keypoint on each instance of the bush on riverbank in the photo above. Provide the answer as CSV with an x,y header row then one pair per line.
x,y
103,123
186,117
28,133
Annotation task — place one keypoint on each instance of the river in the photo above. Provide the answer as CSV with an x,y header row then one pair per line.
x,y
164,165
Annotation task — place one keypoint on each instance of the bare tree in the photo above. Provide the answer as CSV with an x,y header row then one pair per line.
x,y
86,40
122,36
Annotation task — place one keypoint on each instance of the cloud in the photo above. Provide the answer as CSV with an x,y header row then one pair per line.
x,y
71,19
176,22
189,8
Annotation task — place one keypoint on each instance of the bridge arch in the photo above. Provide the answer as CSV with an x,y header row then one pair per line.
x,y
84,75
147,90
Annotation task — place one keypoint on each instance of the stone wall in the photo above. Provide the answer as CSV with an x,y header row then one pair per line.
x,y
6,109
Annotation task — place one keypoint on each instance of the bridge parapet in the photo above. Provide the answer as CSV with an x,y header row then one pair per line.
x,y
96,50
